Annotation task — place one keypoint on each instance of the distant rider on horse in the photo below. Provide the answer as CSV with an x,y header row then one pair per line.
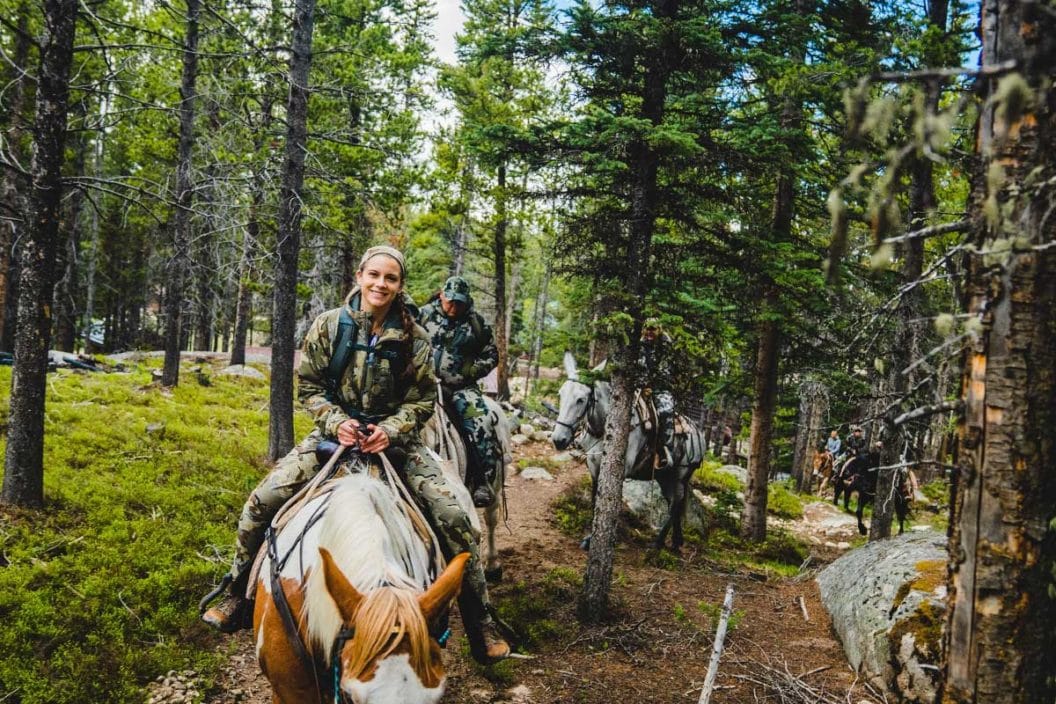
x,y
654,368
379,402
854,447
832,445
464,352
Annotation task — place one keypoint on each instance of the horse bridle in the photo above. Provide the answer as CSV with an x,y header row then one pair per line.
x,y
586,413
440,632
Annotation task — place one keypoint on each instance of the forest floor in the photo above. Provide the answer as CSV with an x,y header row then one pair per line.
x,y
658,641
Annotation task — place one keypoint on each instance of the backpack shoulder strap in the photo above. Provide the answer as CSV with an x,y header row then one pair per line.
x,y
342,350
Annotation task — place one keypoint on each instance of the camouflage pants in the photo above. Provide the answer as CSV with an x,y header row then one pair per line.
x,y
424,478
477,428
664,403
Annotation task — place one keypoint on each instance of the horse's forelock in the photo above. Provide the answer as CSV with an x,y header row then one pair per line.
x,y
387,617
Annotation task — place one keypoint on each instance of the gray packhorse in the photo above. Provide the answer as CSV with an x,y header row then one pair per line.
x,y
589,404
451,450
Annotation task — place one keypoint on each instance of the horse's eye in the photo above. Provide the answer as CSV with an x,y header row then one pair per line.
x,y
579,400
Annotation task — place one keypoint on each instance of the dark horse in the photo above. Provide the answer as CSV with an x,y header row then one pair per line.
x,y
590,404
859,474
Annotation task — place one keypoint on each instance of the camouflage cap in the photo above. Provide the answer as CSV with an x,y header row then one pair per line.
x,y
457,289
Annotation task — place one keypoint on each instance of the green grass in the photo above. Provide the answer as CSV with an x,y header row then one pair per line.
x,y
99,592
783,501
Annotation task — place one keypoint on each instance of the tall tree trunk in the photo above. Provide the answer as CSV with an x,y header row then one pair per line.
x,y
244,300
753,523
499,251
65,305
13,187
206,265
906,343
644,161
91,253
284,315
1000,639
813,404
181,237
24,459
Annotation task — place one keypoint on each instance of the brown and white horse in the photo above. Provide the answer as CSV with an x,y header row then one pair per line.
x,y
356,577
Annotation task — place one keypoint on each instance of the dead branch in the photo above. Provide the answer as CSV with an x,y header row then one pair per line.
x,y
716,651
923,411
803,608
932,231
932,73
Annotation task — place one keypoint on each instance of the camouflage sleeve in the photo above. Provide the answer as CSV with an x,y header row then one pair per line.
x,y
311,388
488,358
404,425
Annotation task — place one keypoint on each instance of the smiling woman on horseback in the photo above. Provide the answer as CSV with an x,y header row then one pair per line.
x,y
378,400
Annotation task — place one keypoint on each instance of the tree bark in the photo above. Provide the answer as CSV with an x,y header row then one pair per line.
x,y
181,235
645,162
1000,639
813,405
284,308
66,258
753,522
12,185
24,460
499,252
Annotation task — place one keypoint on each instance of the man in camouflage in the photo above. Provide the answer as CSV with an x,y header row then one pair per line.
x,y
463,352
387,385
654,368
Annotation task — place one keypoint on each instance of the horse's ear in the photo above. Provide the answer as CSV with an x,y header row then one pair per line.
x,y
571,371
440,593
601,366
344,594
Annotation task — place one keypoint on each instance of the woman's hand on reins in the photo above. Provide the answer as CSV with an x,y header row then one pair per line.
x,y
377,441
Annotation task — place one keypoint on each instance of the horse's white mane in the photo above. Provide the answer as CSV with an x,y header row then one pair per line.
x,y
371,541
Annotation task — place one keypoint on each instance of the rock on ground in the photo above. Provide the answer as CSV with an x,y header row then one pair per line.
x,y
242,370
887,603
644,500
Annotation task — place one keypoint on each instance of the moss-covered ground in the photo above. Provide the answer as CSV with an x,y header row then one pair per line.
x,y
143,487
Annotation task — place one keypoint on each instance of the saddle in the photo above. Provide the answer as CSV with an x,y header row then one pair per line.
x,y
646,409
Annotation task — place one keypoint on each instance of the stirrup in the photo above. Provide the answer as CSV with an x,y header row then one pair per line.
x,y
208,598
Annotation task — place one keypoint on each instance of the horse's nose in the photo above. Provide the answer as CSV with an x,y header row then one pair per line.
x,y
559,440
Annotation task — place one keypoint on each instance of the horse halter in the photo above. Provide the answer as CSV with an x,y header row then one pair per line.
x,y
439,631
586,413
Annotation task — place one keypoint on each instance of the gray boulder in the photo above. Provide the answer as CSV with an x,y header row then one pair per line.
x,y
644,500
887,603
243,371
740,472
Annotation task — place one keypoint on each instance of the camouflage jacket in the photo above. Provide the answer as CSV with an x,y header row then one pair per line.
x,y
654,367
369,388
463,349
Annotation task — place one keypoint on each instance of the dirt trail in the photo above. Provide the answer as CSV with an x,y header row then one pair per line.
x,y
657,644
